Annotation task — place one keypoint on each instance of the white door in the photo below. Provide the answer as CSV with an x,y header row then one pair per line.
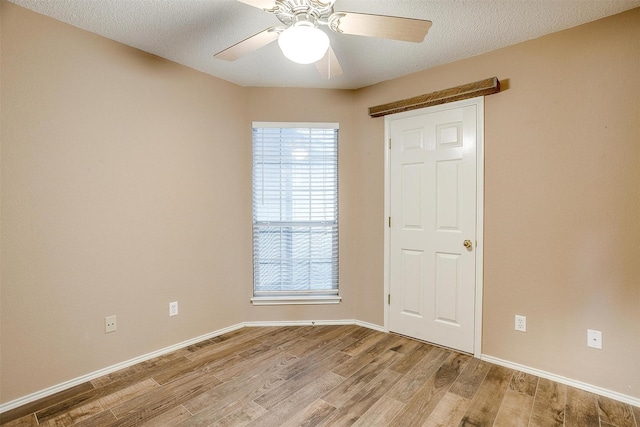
x,y
432,239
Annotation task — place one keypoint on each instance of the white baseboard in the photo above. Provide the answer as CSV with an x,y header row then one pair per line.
x,y
93,375
370,326
317,323
563,380
278,323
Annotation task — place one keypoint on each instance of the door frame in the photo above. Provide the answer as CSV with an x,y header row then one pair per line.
x,y
479,246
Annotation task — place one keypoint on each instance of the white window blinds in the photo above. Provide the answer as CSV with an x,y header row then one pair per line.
x,y
295,209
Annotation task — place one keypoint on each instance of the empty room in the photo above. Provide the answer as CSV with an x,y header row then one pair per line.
x,y
320,213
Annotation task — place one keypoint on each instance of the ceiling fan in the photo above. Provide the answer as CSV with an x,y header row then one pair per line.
x,y
302,41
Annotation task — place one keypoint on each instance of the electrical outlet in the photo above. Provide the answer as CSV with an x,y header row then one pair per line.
x,y
521,323
110,324
173,308
594,339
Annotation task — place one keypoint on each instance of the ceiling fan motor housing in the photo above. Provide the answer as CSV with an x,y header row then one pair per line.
x,y
290,12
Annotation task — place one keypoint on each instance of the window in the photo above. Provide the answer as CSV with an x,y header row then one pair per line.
x,y
295,213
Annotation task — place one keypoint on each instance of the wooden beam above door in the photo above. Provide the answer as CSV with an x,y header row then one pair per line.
x,y
470,90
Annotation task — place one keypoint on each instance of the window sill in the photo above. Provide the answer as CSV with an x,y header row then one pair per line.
x,y
296,300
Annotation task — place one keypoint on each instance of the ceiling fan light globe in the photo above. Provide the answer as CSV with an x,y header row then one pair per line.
x,y
303,44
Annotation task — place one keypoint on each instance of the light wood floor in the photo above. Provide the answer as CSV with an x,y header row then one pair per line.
x,y
321,376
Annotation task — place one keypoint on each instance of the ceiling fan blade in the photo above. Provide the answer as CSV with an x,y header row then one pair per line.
x,y
248,45
260,4
329,66
381,26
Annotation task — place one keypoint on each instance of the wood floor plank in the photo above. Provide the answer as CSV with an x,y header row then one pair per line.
x,y
285,338
636,414
380,413
193,348
104,418
241,417
362,401
284,410
469,381
170,418
406,345
254,382
426,398
614,412
448,412
223,349
223,359
342,330
326,343
111,387
538,421
403,365
289,344
24,421
581,409
312,332
75,415
487,400
369,342
323,332
244,337
361,333
215,407
45,402
524,383
150,405
363,358
354,383
271,359
128,393
294,384
281,333
322,347
257,332
386,342
313,415
247,333
515,410
549,404
417,376
305,363
138,371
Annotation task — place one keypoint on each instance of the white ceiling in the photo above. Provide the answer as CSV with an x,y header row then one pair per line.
x,y
190,32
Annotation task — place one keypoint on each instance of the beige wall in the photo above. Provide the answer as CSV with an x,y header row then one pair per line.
x,y
126,185
562,198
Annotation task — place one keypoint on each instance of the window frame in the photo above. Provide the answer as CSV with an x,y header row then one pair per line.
x,y
279,297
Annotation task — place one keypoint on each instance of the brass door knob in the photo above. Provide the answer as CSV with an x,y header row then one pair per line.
x,y
467,244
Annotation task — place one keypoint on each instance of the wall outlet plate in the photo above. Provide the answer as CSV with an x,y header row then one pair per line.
x,y
594,339
521,323
110,324
173,308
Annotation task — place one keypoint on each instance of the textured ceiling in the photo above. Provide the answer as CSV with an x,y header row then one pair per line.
x,y
190,32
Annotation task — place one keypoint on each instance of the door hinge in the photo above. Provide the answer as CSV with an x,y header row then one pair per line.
x,y
389,222
389,299
389,143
